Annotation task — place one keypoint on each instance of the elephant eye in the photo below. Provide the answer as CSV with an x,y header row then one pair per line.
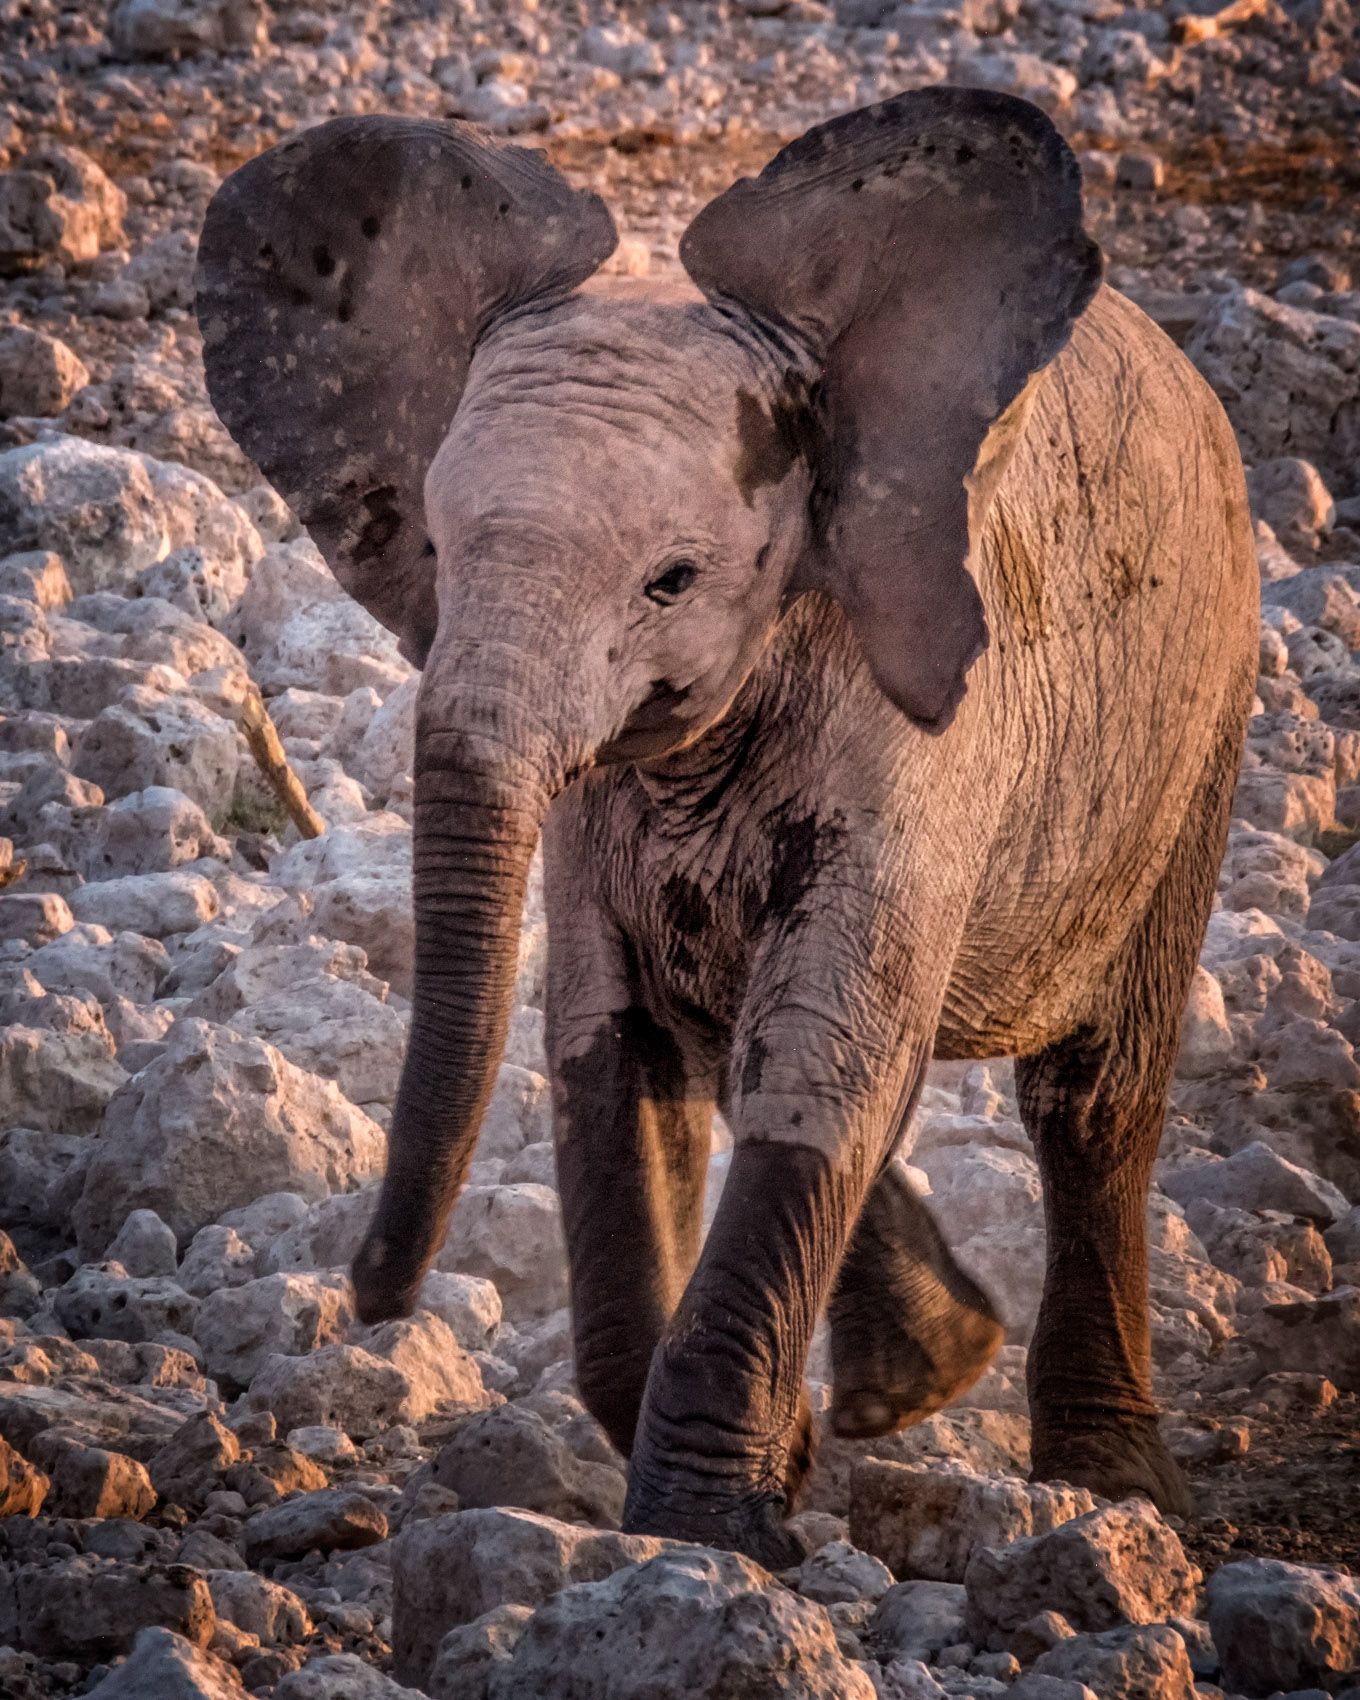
x,y
674,582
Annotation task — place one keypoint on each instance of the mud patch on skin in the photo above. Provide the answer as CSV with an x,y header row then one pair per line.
x,y
801,846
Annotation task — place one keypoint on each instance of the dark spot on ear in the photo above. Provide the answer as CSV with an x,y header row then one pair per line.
x,y
323,260
370,226
964,155
796,1119
762,557
267,252
301,298
345,311
381,524
753,1066
857,185
467,182
426,549
503,208
766,452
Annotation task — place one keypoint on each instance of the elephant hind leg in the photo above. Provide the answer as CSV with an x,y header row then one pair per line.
x,y
1094,1105
910,1331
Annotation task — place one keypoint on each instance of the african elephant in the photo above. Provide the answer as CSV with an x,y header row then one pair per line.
x,y
870,634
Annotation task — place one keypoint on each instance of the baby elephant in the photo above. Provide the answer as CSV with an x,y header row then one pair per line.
x,y
870,633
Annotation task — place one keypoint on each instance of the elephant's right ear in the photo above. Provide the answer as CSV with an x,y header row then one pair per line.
x,y
930,256
344,279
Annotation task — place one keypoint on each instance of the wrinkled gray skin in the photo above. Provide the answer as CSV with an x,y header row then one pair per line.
x,y
797,839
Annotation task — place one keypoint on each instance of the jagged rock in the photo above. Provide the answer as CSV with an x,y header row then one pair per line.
x,y
1319,1337
1120,1564
58,205
86,1608
1258,1178
211,1123
154,905
914,1620
439,1374
360,878
23,1487
686,1625
448,1570
839,1574
1207,1042
335,647
336,1029
108,965
1288,493
167,1666
93,506
929,1522
103,1302
56,1083
1284,1626
1288,378
342,1386
150,738
511,1457
217,1258
1141,1662
38,374
512,1235
333,1519
34,917
239,1327
89,1481
187,1468
144,1245
469,1656
341,1676
469,1304
267,1610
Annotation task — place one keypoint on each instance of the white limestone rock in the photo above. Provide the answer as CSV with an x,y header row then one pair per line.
x,y
210,1124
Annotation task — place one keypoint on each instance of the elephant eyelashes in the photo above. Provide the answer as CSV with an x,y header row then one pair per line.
x,y
673,583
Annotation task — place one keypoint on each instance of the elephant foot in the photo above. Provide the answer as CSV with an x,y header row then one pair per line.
x,y
755,1529
887,1379
1114,1460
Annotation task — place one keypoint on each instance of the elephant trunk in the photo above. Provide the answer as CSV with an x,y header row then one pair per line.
x,y
479,804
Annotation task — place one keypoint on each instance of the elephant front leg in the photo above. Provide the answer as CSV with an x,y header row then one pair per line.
x,y
812,1117
632,1140
910,1331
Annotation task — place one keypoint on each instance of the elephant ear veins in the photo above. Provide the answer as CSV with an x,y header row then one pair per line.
x,y
929,252
344,279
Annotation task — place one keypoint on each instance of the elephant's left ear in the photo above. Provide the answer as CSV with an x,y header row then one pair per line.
x,y
930,253
344,279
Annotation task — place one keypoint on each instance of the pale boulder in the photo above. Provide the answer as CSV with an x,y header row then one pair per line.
x,y
239,1327
927,1522
154,905
449,1570
152,738
38,373
211,1123
686,1625
1280,1626
1120,1564
93,506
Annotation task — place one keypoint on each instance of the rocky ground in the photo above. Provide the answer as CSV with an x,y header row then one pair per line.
x,y
215,1481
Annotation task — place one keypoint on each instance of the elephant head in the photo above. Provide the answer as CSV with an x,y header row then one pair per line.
x,y
585,516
